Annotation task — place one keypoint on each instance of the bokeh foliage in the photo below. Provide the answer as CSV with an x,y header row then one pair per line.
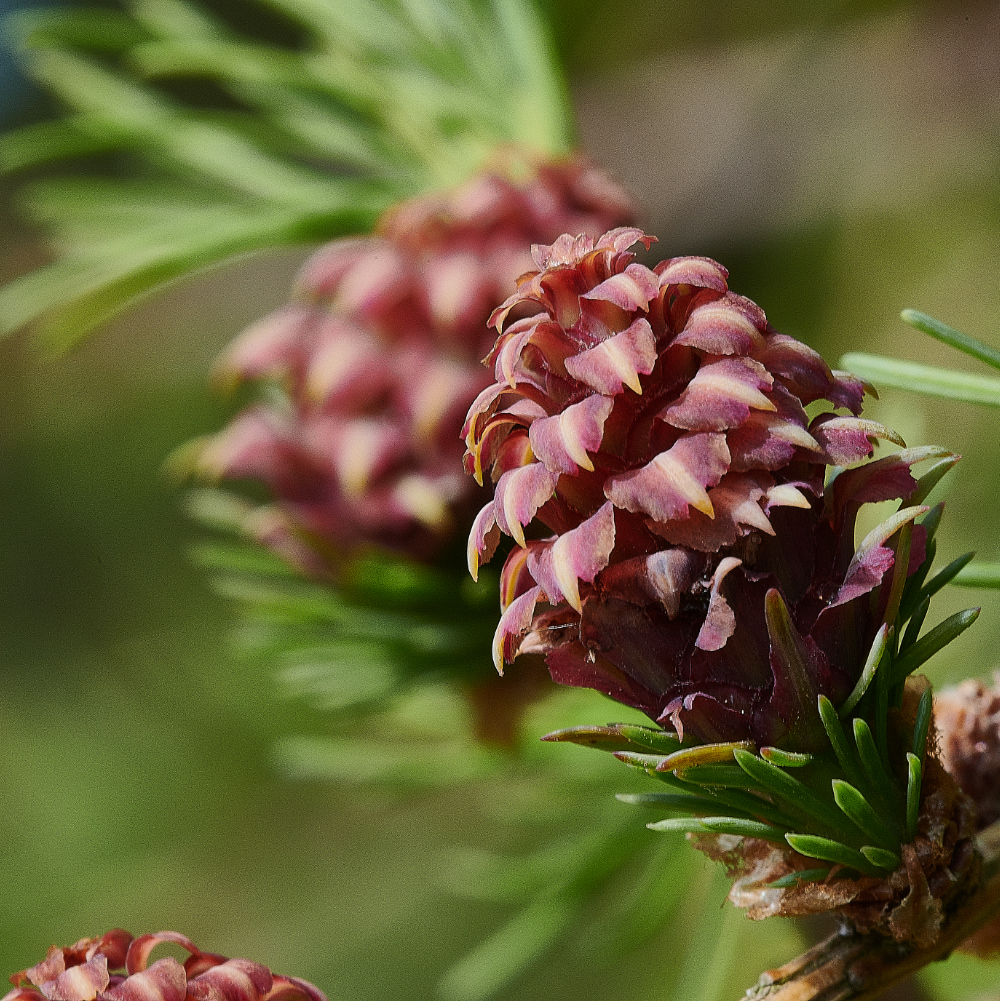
x,y
138,762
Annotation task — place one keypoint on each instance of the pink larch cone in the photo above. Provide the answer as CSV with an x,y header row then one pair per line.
x,y
115,967
685,544
655,422
379,357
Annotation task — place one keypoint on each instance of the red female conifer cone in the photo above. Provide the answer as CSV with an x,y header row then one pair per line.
x,y
379,355
116,967
653,422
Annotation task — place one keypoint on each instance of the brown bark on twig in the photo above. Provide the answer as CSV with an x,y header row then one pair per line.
x,y
849,966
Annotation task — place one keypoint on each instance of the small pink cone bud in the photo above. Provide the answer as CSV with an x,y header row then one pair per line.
x,y
116,966
379,357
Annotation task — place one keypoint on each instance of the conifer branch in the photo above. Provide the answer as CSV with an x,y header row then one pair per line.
x,y
849,966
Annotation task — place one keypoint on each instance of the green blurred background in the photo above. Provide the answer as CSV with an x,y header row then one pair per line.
x,y
841,160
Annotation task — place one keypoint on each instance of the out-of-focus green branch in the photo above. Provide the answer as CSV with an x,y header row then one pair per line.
x,y
379,103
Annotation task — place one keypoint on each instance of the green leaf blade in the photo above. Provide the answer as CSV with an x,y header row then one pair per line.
x,y
845,754
793,795
921,726
874,768
881,857
831,851
608,738
719,825
691,806
914,778
927,379
915,624
77,294
933,642
952,337
786,759
947,575
874,659
979,574
802,876
857,809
